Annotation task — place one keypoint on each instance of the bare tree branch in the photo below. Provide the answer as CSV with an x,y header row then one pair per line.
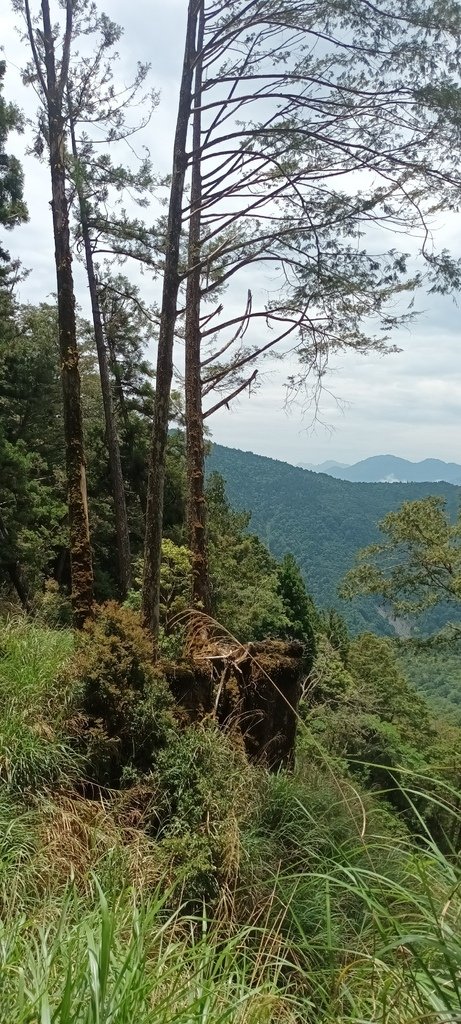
x,y
226,401
36,58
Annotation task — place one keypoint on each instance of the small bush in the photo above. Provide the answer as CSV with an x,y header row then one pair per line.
x,y
200,777
189,866
202,785
53,606
175,596
125,705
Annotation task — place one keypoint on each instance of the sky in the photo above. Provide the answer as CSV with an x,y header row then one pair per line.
x,y
406,404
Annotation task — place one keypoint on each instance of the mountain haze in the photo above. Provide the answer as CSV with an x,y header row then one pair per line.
x,y
391,469
322,520
324,467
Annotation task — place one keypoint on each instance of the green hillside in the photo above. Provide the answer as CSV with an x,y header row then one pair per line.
x,y
321,520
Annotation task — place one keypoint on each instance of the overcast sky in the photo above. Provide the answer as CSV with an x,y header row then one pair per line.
x,y
406,404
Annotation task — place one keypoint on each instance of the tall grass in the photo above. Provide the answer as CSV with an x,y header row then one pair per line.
x,y
129,962
33,753
123,957
373,913
391,941
31,659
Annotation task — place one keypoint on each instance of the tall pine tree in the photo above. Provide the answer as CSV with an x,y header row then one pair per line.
x,y
50,77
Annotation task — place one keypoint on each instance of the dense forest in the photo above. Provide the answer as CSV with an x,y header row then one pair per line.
x,y
324,522
221,799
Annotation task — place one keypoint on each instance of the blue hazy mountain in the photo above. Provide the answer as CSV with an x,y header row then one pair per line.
x,y
391,469
323,467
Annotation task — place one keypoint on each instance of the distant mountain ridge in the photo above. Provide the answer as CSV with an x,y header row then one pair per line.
x,y
322,520
391,469
323,467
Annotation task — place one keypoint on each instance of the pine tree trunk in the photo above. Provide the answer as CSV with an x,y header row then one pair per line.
x,y
80,546
156,483
115,462
13,568
115,369
135,479
195,456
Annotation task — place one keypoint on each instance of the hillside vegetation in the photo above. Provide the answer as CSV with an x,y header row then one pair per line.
x,y
322,521
152,865
151,872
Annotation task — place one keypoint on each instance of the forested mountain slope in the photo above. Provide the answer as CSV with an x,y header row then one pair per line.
x,y
321,520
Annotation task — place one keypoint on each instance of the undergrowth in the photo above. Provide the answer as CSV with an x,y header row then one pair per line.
x,y
34,705
199,888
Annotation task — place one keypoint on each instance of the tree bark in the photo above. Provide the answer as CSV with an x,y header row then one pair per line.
x,y
115,462
80,545
195,455
13,568
156,483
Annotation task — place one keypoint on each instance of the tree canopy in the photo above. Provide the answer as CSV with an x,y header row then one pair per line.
x,y
418,566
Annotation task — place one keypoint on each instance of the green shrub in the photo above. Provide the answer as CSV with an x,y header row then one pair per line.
x,y
125,707
175,596
189,867
202,784
329,680
200,776
53,606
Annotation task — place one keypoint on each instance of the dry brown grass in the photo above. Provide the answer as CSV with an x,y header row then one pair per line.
x,y
78,836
